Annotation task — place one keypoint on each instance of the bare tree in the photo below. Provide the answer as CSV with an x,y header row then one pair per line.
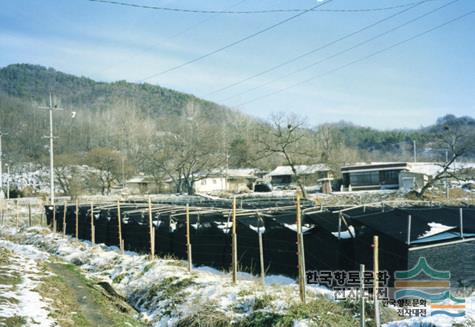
x,y
457,140
108,164
287,137
189,151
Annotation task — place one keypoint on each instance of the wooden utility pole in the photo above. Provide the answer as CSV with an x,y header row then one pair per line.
x,y
188,239
119,224
77,219
93,232
65,210
300,249
151,230
234,243
362,313
376,280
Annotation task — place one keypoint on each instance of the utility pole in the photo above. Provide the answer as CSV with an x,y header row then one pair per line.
x,y
51,151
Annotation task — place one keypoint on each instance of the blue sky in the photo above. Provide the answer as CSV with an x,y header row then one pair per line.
x,y
408,86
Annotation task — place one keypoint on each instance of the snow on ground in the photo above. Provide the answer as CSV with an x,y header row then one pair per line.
x,y
142,281
21,299
165,292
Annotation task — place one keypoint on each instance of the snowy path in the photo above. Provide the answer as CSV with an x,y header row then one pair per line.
x,y
20,304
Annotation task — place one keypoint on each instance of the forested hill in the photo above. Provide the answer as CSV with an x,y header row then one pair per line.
x,y
33,84
134,118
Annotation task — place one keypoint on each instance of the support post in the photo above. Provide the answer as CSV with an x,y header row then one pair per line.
x,y
461,223
375,280
300,250
29,214
16,213
188,241
65,210
234,243
54,218
93,232
151,230
77,219
261,255
339,226
119,224
362,313
409,223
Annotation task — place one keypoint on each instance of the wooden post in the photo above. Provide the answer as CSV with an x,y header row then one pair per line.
x,y
234,243
362,314
93,234
409,223
41,209
119,223
151,230
461,223
65,210
300,250
29,214
54,218
339,225
77,219
375,280
16,213
188,241
261,254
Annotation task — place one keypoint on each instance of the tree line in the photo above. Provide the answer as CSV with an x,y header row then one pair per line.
x,y
121,129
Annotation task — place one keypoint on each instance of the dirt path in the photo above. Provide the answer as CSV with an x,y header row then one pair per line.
x,y
43,291
90,304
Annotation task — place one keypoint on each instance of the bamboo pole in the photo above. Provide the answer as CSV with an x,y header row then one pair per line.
x,y
234,243
151,232
375,280
93,234
64,217
119,223
77,219
300,250
188,240
362,314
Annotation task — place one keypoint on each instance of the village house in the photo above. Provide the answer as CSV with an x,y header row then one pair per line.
x,y
227,180
310,175
404,176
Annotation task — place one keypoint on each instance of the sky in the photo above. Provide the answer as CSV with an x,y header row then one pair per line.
x,y
371,78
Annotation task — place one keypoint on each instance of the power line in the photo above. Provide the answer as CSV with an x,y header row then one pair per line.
x,y
250,36
305,54
335,54
373,54
241,12
175,35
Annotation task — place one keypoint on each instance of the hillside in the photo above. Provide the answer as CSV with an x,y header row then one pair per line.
x,y
114,114
32,83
